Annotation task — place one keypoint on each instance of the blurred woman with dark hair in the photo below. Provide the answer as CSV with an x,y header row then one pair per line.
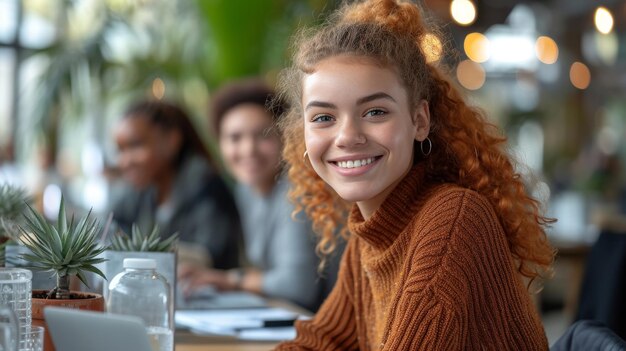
x,y
174,182
281,250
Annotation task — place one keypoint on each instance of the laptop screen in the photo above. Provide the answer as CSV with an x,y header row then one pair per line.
x,y
76,330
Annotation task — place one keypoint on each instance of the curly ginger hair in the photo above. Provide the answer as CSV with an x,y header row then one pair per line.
x,y
466,149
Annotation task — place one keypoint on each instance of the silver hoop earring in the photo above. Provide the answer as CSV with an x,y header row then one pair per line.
x,y
430,146
305,155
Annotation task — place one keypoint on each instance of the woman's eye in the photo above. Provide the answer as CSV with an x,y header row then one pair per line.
x,y
322,118
234,138
135,144
375,112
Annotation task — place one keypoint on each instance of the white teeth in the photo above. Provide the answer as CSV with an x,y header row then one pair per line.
x,y
355,163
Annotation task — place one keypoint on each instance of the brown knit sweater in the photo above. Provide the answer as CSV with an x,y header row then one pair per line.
x,y
430,270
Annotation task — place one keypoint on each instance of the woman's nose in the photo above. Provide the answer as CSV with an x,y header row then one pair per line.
x,y
123,159
350,133
248,146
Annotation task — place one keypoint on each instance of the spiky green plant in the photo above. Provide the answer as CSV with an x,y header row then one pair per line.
x,y
138,241
13,201
65,249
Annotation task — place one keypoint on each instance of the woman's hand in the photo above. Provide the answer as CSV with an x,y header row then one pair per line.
x,y
192,277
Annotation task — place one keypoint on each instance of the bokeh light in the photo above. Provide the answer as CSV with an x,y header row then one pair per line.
x,y
600,49
579,75
608,140
603,20
470,75
546,50
158,88
477,47
463,12
51,200
607,46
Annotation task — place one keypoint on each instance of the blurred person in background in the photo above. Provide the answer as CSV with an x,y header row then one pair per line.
x,y
281,250
603,286
172,182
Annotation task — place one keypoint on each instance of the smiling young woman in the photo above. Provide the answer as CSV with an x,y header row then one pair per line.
x,y
442,234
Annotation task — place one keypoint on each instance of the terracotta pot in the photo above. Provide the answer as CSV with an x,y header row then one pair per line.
x,y
84,301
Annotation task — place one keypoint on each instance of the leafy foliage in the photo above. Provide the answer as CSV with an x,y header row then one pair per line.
x,y
13,201
138,241
65,249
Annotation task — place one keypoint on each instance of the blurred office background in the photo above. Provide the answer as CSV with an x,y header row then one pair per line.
x,y
551,73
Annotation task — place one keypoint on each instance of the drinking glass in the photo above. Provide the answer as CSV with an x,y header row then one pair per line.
x,y
32,339
8,329
15,293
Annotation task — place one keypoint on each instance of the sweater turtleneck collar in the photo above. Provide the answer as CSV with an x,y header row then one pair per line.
x,y
388,221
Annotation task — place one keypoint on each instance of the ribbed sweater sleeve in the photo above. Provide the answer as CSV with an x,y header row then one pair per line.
x,y
497,304
425,323
333,327
466,295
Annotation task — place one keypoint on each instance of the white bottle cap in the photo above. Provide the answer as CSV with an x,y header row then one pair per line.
x,y
140,263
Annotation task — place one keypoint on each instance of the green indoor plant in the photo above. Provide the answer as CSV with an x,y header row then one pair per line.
x,y
13,205
138,241
13,201
66,249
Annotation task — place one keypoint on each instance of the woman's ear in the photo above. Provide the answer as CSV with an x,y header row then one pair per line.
x,y
421,120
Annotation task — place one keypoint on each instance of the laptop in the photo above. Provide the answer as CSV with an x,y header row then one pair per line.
x,y
76,330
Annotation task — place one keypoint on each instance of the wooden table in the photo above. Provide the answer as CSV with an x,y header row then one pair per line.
x,y
189,342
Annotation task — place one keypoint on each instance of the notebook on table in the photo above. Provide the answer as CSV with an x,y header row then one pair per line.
x,y
76,330
209,298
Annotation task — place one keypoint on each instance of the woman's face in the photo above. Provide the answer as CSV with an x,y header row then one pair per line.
x,y
145,151
359,128
250,148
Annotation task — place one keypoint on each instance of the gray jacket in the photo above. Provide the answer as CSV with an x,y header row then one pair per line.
x,y
283,248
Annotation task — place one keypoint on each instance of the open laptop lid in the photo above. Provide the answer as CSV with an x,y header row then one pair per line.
x,y
76,330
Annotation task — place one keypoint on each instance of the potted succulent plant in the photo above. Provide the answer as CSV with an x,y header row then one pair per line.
x,y
12,205
140,244
13,200
66,249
